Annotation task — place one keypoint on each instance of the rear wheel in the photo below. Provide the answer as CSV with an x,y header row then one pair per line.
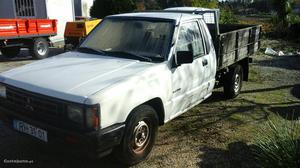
x,y
10,51
139,138
233,82
39,48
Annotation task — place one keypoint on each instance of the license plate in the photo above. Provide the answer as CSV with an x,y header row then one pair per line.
x,y
30,130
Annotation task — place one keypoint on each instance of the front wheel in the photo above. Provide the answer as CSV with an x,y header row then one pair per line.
x,y
233,82
39,48
139,138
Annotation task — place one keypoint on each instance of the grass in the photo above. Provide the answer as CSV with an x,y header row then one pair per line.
x,y
266,23
278,143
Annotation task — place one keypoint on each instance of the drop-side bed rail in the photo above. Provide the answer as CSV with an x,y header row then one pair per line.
x,y
25,28
26,33
236,42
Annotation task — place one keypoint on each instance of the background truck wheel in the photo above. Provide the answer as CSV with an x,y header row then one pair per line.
x,y
10,51
39,48
139,138
233,82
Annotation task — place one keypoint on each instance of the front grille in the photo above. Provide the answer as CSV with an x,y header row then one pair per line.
x,y
34,105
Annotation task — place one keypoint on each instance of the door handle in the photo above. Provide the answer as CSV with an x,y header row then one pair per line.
x,y
204,62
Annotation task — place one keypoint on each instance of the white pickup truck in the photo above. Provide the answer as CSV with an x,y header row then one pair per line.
x,y
133,73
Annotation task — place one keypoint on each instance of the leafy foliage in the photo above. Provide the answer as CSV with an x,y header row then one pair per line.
x,y
284,9
205,3
278,143
227,16
261,6
195,3
102,8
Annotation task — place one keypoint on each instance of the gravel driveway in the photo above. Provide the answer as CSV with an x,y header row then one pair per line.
x,y
216,133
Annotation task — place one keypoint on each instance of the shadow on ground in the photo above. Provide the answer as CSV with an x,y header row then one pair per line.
x,y
25,55
238,155
296,91
215,111
287,62
50,156
290,112
270,89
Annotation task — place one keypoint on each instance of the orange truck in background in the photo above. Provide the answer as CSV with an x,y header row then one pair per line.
x,y
26,33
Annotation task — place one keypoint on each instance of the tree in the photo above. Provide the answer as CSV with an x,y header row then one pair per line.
x,y
283,9
205,3
102,8
195,3
152,4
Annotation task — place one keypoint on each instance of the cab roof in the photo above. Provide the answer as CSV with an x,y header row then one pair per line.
x,y
175,16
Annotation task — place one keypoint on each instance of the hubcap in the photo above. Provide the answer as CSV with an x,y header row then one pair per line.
x,y
237,81
141,135
41,48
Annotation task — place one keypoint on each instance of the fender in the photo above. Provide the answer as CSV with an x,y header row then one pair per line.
x,y
117,101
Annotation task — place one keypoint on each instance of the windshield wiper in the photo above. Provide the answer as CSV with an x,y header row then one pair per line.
x,y
88,49
129,55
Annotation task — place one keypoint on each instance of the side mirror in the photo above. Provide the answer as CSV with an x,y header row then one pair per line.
x,y
184,57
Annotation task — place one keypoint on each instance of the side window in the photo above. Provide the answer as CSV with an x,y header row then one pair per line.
x,y
190,39
206,38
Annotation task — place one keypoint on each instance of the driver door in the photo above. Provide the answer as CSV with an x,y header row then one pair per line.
x,y
188,79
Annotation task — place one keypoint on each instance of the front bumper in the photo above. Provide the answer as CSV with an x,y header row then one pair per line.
x,y
95,144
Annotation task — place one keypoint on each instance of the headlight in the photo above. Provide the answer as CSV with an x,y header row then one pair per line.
x,y
2,91
75,114
92,117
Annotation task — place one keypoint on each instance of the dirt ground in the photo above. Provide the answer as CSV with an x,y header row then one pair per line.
x,y
216,133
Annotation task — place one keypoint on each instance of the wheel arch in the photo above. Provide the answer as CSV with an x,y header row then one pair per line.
x,y
157,105
245,66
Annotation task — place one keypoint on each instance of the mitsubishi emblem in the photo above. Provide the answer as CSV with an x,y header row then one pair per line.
x,y
28,106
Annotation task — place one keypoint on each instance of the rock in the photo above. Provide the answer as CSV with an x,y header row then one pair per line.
x,y
270,51
281,53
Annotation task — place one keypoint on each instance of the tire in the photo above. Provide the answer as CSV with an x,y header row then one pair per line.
x,y
233,82
136,146
10,51
39,48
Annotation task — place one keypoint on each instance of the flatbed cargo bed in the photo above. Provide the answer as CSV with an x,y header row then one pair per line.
x,y
236,42
26,28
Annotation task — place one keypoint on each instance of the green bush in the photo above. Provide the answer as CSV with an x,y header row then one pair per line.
x,y
205,3
278,144
102,8
227,16
293,18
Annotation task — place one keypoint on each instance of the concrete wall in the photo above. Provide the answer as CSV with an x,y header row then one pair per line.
x,y
63,11
7,9
82,7
40,8
86,6
77,7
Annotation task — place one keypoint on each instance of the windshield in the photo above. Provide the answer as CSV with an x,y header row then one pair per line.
x,y
131,38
